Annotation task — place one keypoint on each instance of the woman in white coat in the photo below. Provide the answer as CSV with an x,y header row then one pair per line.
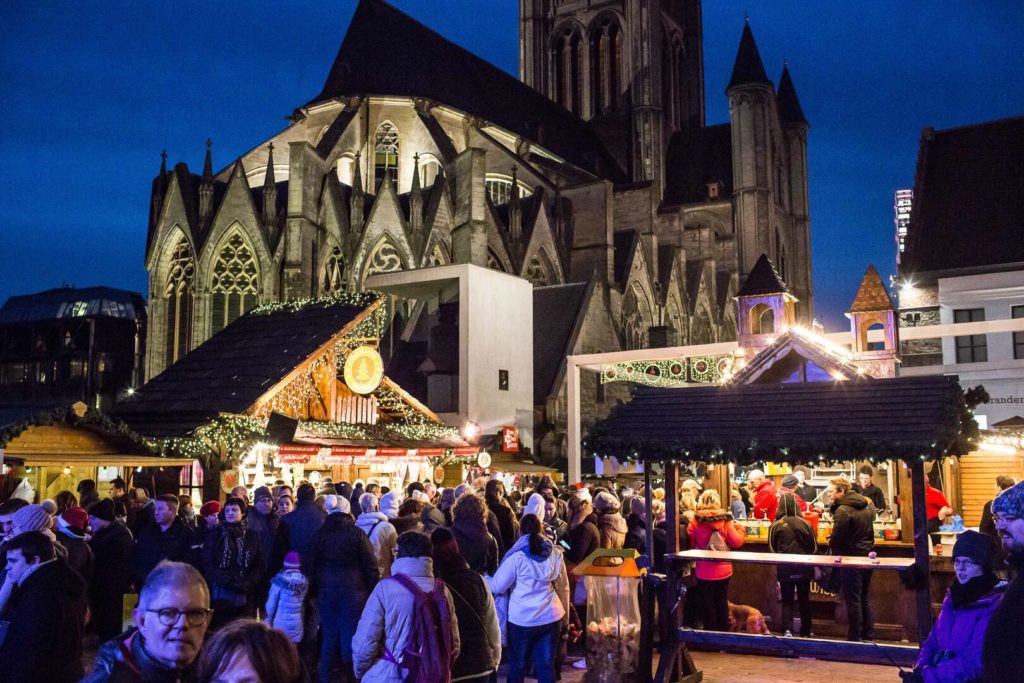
x,y
535,571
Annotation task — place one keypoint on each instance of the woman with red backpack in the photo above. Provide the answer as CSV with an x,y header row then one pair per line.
x,y
714,529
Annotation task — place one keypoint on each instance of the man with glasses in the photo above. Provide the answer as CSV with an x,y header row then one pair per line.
x,y
171,618
1001,651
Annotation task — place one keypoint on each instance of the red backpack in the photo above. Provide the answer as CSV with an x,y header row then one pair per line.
x,y
428,654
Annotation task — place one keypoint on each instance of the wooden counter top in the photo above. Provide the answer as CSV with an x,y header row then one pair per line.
x,y
787,558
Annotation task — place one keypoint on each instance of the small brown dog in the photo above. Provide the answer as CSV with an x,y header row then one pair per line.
x,y
744,618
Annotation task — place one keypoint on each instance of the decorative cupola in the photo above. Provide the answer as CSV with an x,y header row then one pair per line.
x,y
872,310
270,191
766,308
206,187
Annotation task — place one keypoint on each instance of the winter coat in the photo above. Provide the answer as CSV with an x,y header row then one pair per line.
x,y
44,634
1000,653
477,545
408,522
792,534
508,525
583,539
286,603
539,583
494,529
704,524
766,502
431,518
382,537
88,498
661,544
125,660
80,555
636,533
853,526
340,560
178,544
952,651
299,526
385,622
141,518
479,632
872,493
112,550
232,563
611,529
267,529
389,504
556,529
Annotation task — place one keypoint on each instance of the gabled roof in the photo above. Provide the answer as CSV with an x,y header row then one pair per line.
x,y
791,350
71,302
763,279
968,209
386,52
1009,424
233,369
748,67
871,296
695,157
790,110
558,313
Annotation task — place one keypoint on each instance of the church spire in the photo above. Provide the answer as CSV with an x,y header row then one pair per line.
x,y
415,197
748,69
206,187
357,200
270,190
163,164
789,104
208,163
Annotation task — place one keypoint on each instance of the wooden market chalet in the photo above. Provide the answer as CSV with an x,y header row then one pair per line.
x,y
280,383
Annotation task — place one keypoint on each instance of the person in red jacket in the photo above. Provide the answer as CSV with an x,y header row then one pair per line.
x,y
766,502
714,529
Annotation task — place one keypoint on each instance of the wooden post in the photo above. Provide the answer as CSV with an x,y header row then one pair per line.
x,y
671,507
573,427
648,499
924,598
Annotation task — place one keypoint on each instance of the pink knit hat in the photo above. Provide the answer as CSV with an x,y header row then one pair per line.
x,y
292,561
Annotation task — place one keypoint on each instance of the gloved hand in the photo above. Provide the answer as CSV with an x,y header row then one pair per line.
x,y
911,677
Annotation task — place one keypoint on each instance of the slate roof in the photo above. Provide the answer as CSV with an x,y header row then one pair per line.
x,y
790,110
763,279
558,313
232,369
905,415
968,209
52,304
871,296
694,158
386,52
748,67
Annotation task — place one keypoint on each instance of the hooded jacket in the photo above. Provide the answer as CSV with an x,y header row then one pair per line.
x,y
479,631
385,622
299,525
266,528
341,559
535,505
383,538
285,603
476,544
792,534
853,531
44,634
611,529
952,653
583,538
766,501
704,524
125,660
539,583
636,533
389,504
80,556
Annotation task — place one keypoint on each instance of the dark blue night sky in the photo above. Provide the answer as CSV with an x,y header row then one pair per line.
x,y
92,92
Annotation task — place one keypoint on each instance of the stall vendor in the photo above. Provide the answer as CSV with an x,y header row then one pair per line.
x,y
938,508
866,487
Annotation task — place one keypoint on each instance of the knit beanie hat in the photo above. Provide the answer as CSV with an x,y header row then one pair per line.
x,y
606,503
49,506
389,504
76,518
790,481
103,509
31,518
335,503
976,546
210,507
1009,503
292,561
261,492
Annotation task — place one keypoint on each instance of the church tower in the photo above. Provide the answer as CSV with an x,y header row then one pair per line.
x,y
634,68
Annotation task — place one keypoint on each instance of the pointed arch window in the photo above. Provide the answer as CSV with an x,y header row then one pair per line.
x,y
494,262
385,148
178,301
567,53
437,256
383,259
636,316
333,281
605,65
701,333
235,282
537,272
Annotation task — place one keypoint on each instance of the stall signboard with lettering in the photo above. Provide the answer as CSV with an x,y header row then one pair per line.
x,y
510,439
296,454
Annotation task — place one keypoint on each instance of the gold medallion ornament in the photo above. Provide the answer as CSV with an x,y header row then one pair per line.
x,y
364,369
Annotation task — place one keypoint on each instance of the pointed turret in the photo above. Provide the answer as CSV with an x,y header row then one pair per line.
x,y
790,110
748,69
206,187
163,164
765,306
358,199
872,308
416,197
515,212
159,189
763,279
270,190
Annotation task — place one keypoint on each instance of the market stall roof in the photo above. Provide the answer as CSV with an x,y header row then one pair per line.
x,y
508,463
907,418
94,459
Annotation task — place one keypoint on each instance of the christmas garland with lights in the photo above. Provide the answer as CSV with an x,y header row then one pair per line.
x,y
65,415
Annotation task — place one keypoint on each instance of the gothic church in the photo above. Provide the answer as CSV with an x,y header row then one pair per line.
x,y
594,170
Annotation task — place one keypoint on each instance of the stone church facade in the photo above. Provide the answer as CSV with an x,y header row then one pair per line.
x,y
596,167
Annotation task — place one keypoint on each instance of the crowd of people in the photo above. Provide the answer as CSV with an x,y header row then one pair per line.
x,y
363,583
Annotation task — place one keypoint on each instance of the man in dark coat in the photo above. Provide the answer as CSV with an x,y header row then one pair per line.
x,y
70,532
166,538
44,633
111,545
87,493
478,546
508,525
1000,653
853,533
266,525
342,571
865,486
299,525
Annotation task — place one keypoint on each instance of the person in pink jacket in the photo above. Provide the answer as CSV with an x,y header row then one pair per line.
x,y
714,529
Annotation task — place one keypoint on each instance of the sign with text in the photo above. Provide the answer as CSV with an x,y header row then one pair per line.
x,y
510,439
296,454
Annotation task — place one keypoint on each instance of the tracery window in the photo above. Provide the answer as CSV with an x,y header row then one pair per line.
x,y
537,273
635,317
235,282
493,262
178,301
333,280
437,257
566,58
385,146
383,259
605,65
701,333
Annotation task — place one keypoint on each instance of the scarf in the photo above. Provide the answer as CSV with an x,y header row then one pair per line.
x,y
963,594
234,556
